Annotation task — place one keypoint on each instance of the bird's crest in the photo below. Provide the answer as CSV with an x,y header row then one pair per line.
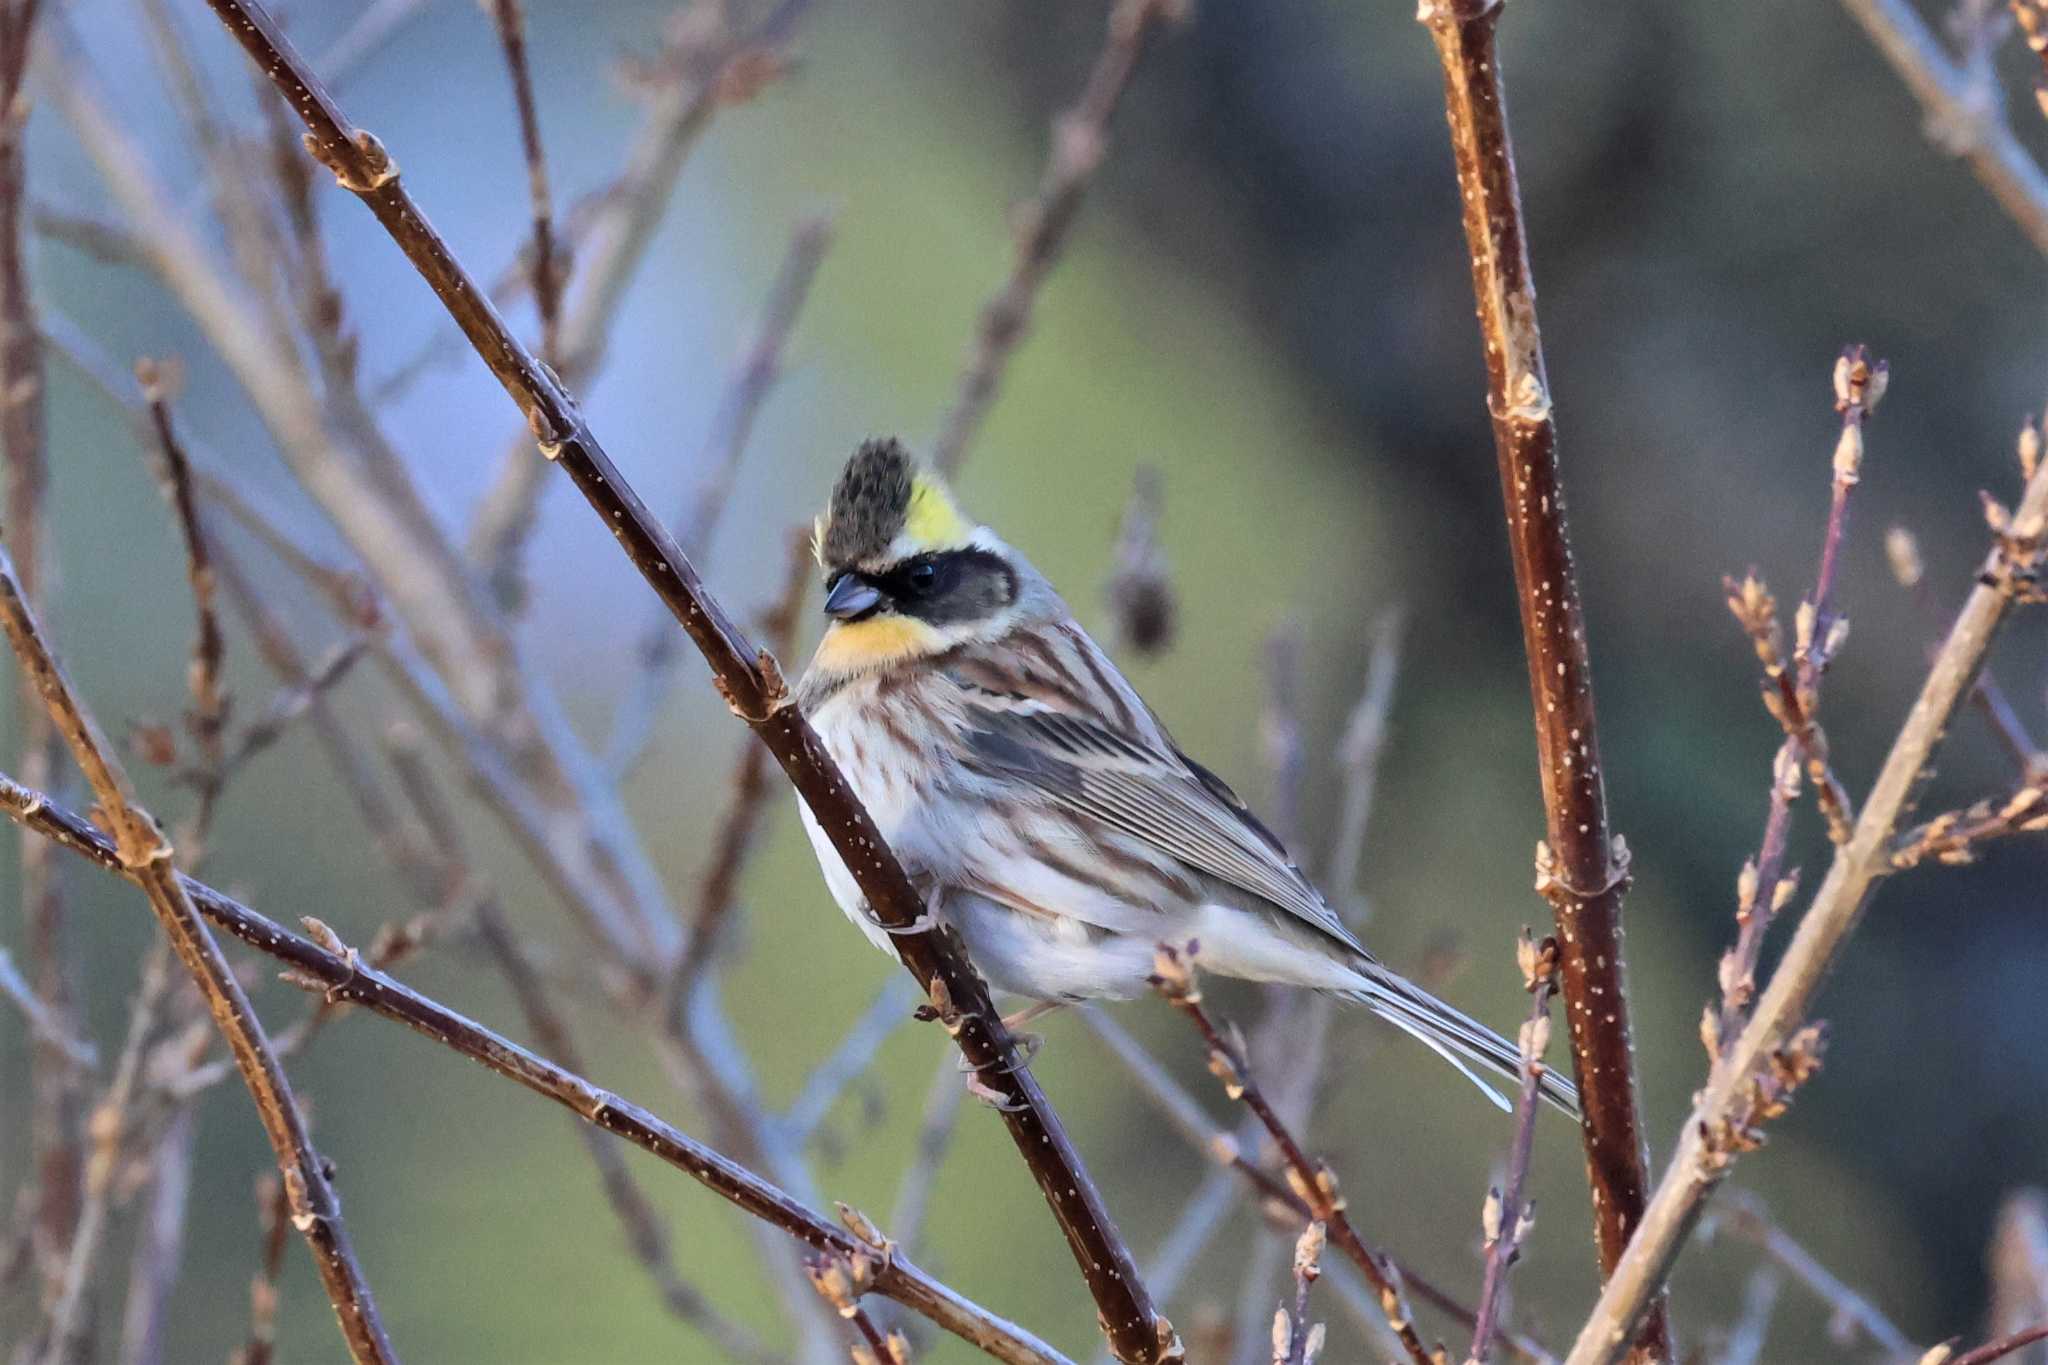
x,y
883,494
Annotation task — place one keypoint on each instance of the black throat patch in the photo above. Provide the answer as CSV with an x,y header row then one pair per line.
x,y
869,504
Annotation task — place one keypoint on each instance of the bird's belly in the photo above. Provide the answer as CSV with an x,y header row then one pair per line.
x,y
889,776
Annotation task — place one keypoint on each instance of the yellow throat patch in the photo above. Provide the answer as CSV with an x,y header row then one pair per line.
x,y
862,646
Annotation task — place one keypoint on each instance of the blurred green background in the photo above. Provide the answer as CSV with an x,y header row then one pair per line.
x,y
1267,299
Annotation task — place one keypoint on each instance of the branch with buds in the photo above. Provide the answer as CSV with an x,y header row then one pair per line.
x,y
1508,1215
1174,976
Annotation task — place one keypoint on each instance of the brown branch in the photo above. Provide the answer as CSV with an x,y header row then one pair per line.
x,y
718,462
752,687
349,979
209,715
646,1235
274,1219
1508,1215
1080,140
1990,1350
1777,1034
840,1282
56,1099
702,69
546,273
1585,892
1311,1181
1955,837
146,857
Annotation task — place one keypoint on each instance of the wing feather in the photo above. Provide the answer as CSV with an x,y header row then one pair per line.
x,y
1048,731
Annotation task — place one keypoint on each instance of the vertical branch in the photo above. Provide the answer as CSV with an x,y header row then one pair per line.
x,y
1508,1217
1080,139
145,854
56,1090
1591,873
752,686
547,270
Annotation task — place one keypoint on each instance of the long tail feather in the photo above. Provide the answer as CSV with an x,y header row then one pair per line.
x,y
1456,1037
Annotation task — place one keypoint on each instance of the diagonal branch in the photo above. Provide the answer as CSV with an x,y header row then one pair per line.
x,y
145,857
1705,1152
1080,139
751,684
1591,864
348,978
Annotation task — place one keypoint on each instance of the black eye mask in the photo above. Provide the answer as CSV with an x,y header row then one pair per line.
x,y
948,588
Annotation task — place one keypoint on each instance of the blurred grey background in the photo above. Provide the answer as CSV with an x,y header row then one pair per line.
x,y
1267,299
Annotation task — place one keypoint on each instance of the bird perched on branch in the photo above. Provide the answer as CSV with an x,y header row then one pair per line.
x,y
1034,797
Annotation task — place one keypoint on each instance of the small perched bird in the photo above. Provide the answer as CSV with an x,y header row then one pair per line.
x,y
1035,798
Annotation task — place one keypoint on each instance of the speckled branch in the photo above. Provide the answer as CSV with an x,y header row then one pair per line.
x,y
751,684
1591,869
343,974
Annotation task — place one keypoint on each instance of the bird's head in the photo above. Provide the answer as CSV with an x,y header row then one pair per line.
x,y
907,574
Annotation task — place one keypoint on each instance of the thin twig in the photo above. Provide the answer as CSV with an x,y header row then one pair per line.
x,y
1509,1215
1080,140
159,1241
1586,888
1850,1313
1311,1181
828,1080
1295,1341
1960,120
936,1124
698,69
718,462
840,1282
42,1022
752,686
274,1221
209,647
1991,1350
1721,1115
57,1089
1745,1344
146,856
344,974
547,270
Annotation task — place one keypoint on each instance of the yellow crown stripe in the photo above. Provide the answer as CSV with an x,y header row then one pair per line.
x,y
933,519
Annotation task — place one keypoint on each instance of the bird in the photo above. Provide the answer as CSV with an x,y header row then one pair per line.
x,y
1036,801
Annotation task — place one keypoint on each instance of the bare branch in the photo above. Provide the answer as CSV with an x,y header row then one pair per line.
x,y
1963,119
718,461
1080,140
345,975
1508,1215
145,856
697,68
547,270
1719,1121
1591,874
1312,1182
1850,1314
42,1022
752,687
1990,1350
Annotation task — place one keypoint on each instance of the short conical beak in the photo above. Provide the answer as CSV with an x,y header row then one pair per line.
x,y
851,598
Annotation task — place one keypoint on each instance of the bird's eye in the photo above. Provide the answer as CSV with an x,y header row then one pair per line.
x,y
921,577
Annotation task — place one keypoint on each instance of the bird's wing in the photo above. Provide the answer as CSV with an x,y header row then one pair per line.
x,y
1060,720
